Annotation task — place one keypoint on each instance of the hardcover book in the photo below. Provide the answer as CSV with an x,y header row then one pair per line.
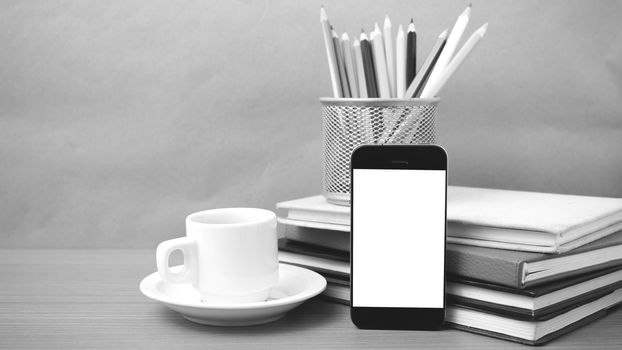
x,y
498,325
537,304
530,332
314,209
514,269
515,220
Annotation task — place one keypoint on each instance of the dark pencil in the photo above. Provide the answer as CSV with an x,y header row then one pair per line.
x,y
368,65
411,53
416,87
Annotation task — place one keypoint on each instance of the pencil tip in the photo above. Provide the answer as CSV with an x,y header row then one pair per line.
x,y
412,21
467,11
484,28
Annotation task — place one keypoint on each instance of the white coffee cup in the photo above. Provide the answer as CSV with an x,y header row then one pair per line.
x,y
230,254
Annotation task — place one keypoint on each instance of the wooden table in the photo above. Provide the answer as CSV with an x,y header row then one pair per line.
x,y
62,299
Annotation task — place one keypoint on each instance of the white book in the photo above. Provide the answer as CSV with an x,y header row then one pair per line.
x,y
518,330
315,209
529,221
531,301
539,301
514,220
531,332
515,269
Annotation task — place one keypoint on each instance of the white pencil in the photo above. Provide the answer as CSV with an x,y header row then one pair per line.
x,y
388,52
400,63
330,54
457,61
346,48
360,69
380,63
448,51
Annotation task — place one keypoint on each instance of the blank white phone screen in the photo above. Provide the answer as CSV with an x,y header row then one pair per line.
x,y
398,238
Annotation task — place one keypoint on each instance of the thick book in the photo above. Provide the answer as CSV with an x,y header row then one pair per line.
x,y
530,221
535,303
524,269
530,332
516,269
496,324
514,220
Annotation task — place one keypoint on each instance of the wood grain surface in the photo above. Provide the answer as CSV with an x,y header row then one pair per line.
x,y
89,299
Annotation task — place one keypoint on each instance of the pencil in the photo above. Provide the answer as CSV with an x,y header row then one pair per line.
x,y
448,50
457,60
380,62
400,64
368,64
365,120
341,65
330,54
414,90
388,52
350,64
360,69
411,52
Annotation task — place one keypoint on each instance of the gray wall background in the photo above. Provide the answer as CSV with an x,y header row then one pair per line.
x,y
118,118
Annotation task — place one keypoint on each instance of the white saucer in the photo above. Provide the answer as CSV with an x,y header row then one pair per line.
x,y
295,286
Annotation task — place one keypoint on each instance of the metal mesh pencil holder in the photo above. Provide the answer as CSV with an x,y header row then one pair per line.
x,y
348,123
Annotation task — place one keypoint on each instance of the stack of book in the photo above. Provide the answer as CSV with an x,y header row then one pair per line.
x,y
521,266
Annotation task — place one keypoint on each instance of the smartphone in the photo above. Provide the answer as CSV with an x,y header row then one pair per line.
x,y
398,222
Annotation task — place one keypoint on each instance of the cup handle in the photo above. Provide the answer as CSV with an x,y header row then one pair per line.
x,y
188,247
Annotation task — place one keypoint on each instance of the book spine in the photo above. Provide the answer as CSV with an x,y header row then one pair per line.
x,y
484,268
323,238
316,216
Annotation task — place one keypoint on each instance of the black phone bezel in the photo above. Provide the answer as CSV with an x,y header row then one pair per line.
x,y
417,157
